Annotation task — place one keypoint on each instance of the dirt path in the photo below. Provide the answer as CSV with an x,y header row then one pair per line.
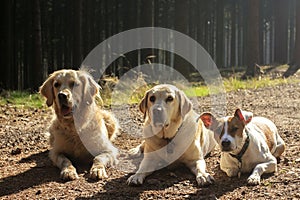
x,y
26,171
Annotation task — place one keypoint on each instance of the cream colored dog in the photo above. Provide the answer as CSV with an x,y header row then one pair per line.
x,y
248,144
172,132
80,130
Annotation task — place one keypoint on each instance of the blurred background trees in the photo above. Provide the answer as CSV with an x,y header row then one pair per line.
x,y
40,36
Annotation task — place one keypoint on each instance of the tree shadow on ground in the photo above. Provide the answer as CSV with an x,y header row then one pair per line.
x,y
180,179
43,172
160,180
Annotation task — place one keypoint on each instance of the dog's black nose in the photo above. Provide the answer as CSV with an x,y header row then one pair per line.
x,y
62,96
226,143
157,110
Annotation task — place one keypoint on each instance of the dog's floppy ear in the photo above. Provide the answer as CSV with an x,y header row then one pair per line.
x,y
185,105
243,116
90,87
208,120
143,105
47,90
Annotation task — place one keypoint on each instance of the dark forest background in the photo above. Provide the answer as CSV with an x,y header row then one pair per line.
x,y
40,36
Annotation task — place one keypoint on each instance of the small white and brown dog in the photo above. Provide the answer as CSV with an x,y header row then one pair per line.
x,y
248,144
80,130
172,132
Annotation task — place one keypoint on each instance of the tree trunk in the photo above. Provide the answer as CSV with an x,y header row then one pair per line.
x,y
77,31
130,14
37,72
295,64
233,35
147,11
220,34
7,45
281,31
181,25
28,46
252,39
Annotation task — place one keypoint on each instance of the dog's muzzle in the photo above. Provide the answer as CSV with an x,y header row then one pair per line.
x,y
158,117
65,108
226,145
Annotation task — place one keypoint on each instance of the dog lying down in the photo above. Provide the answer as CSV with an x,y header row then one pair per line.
x,y
80,130
172,132
248,144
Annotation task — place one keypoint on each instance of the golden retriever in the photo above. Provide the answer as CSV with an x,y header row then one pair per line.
x,y
172,132
80,130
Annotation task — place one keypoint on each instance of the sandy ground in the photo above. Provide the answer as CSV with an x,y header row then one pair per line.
x,y
27,173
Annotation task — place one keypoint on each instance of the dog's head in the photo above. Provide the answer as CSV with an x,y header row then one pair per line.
x,y
229,131
68,89
164,104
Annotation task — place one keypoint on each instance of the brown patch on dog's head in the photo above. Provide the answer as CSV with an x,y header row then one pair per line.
x,y
228,130
237,123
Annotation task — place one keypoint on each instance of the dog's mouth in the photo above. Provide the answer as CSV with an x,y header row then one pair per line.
x,y
161,125
226,149
66,110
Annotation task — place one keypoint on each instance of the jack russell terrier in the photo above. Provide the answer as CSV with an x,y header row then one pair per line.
x,y
247,143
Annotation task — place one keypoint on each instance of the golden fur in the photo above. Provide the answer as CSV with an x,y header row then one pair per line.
x,y
80,130
172,132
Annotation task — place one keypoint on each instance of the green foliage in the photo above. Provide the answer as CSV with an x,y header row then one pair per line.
x,y
234,84
22,99
26,99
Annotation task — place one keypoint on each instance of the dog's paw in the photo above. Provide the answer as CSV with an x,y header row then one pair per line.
x,y
136,179
254,179
205,179
232,172
98,172
69,174
135,152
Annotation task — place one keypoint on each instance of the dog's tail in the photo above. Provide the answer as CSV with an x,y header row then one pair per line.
x,y
111,124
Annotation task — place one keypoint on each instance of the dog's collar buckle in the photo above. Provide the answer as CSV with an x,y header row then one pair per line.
x,y
170,146
171,143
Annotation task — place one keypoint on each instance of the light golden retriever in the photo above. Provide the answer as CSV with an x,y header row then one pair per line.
x,y
80,130
172,132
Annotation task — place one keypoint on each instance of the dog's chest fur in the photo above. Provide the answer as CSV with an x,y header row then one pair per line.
x,y
191,140
65,139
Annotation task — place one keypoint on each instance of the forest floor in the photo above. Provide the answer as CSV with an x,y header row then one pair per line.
x,y
27,173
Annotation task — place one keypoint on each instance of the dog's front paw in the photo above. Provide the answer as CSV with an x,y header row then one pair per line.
x,y
136,179
254,179
69,174
136,151
98,172
205,179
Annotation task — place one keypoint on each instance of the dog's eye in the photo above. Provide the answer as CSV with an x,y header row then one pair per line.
x,y
169,99
56,84
152,98
74,84
234,129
